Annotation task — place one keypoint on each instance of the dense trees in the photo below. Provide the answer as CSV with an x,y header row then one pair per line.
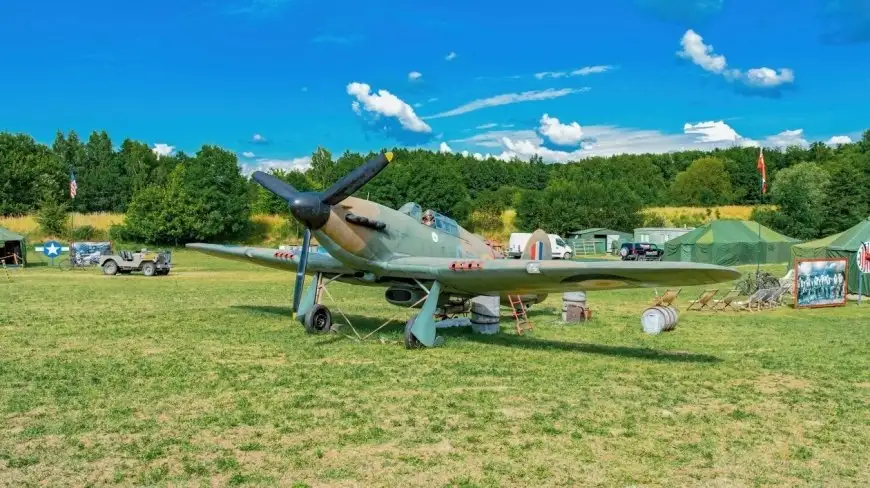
x,y
818,189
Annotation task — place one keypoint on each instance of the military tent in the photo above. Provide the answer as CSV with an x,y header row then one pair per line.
x,y
842,245
730,243
11,248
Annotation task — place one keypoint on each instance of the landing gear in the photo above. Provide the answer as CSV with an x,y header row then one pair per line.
x,y
411,342
318,320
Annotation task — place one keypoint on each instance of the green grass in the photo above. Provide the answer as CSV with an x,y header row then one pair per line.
x,y
201,379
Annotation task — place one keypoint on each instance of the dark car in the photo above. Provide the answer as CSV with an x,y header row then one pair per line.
x,y
640,251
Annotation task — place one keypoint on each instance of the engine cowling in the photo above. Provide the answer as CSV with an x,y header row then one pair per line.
x,y
404,296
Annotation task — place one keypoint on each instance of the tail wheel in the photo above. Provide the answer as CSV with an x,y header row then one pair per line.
x,y
110,268
318,320
411,342
149,268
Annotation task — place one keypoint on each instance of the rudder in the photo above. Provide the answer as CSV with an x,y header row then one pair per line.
x,y
538,247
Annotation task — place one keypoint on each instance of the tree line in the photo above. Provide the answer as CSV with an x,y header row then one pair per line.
x,y
206,196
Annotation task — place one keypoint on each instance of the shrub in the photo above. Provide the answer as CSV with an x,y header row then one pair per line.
x,y
52,218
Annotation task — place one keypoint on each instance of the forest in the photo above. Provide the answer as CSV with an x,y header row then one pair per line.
x,y
207,196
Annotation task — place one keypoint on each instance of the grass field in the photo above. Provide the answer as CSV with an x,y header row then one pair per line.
x,y
200,378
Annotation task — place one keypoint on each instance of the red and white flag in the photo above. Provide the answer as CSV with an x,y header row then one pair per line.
x,y
763,169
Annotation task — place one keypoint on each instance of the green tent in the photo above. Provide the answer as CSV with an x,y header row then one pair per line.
x,y
730,243
12,249
842,245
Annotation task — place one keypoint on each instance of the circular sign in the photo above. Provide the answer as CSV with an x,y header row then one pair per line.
x,y
864,257
434,237
51,249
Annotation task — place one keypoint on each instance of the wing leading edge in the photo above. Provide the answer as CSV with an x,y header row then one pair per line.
x,y
527,276
273,258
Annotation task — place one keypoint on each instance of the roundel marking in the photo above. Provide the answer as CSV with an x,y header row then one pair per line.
x,y
434,236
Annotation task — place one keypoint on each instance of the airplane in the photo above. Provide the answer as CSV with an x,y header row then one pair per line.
x,y
425,260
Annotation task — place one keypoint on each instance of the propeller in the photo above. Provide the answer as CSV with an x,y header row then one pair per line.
x,y
312,208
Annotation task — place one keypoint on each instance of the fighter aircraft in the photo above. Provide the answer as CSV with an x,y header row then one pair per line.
x,y
426,260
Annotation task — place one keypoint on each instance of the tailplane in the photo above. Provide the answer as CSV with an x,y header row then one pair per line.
x,y
538,247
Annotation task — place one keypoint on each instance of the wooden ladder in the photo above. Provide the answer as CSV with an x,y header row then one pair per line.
x,y
520,314
6,270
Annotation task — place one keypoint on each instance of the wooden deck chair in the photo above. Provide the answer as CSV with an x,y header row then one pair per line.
x,y
725,302
702,299
775,298
754,301
666,298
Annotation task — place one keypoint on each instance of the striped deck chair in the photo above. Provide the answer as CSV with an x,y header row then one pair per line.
x,y
725,302
756,300
702,300
666,298
775,298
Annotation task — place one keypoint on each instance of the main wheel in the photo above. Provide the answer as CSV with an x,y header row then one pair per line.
x,y
110,268
411,342
148,269
318,320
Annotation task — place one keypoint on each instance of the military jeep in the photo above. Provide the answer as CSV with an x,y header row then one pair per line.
x,y
150,263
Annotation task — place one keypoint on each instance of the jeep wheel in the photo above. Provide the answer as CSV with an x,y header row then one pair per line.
x,y
110,268
148,269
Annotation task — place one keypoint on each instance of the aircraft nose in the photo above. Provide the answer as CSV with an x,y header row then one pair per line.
x,y
309,209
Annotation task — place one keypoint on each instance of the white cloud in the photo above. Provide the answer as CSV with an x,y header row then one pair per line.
x,y
433,99
487,126
716,132
414,75
265,164
838,140
258,138
702,54
494,138
161,149
585,71
507,99
450,56
249,154
559,133
444,148
787,138
384,103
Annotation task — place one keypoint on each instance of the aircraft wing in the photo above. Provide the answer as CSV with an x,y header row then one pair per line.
x,y
522,276
273,258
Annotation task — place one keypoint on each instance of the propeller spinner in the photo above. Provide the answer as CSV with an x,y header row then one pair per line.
x,y
313,208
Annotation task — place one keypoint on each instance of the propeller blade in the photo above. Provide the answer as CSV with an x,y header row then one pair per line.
x,y
275,185
355,180
300,270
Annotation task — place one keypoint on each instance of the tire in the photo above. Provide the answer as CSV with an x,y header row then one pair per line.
x,y
110,268
318,320
64,265
411,342
566,256
623,252
149,268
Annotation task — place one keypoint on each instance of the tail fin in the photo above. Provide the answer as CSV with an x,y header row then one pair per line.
x,y
538,247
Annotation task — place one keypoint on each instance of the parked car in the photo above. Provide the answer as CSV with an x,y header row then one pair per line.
x,y
640,251
518,241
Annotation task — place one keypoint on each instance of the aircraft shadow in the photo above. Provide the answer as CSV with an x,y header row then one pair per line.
x,y
365,325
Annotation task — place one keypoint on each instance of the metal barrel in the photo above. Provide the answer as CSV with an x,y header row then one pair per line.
x,y
485,314
656,320
576,298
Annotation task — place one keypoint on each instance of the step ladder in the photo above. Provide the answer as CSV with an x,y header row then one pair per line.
x,y
518,309
6,271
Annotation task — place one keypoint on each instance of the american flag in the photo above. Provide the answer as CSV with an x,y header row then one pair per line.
x,y
763,169
73,187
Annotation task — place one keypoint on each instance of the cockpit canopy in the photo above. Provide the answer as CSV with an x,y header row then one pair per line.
x,y
440,222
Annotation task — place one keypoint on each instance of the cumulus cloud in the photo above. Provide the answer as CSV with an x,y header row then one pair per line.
x,y
716,132
384,103
838,140
450,56
249,154
414,75
265,164
559,133
161,149
585,71
507,99
259,139
444,148
787,138
703,55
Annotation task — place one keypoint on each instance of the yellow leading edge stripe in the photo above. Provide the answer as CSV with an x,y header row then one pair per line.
x,y
389,156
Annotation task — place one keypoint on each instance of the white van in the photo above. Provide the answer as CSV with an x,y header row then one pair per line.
x,y
518,240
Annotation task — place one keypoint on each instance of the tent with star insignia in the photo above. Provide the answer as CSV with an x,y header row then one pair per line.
x,y
12,250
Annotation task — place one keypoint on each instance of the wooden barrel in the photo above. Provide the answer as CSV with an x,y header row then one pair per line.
x,y
574,298
656,320
485,314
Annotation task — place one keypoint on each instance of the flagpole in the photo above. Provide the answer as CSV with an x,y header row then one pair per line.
x,y
763,169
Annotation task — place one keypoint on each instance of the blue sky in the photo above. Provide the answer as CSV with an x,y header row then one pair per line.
x,y
273,79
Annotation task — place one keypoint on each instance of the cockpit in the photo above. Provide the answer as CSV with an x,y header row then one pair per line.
x,y
431,218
